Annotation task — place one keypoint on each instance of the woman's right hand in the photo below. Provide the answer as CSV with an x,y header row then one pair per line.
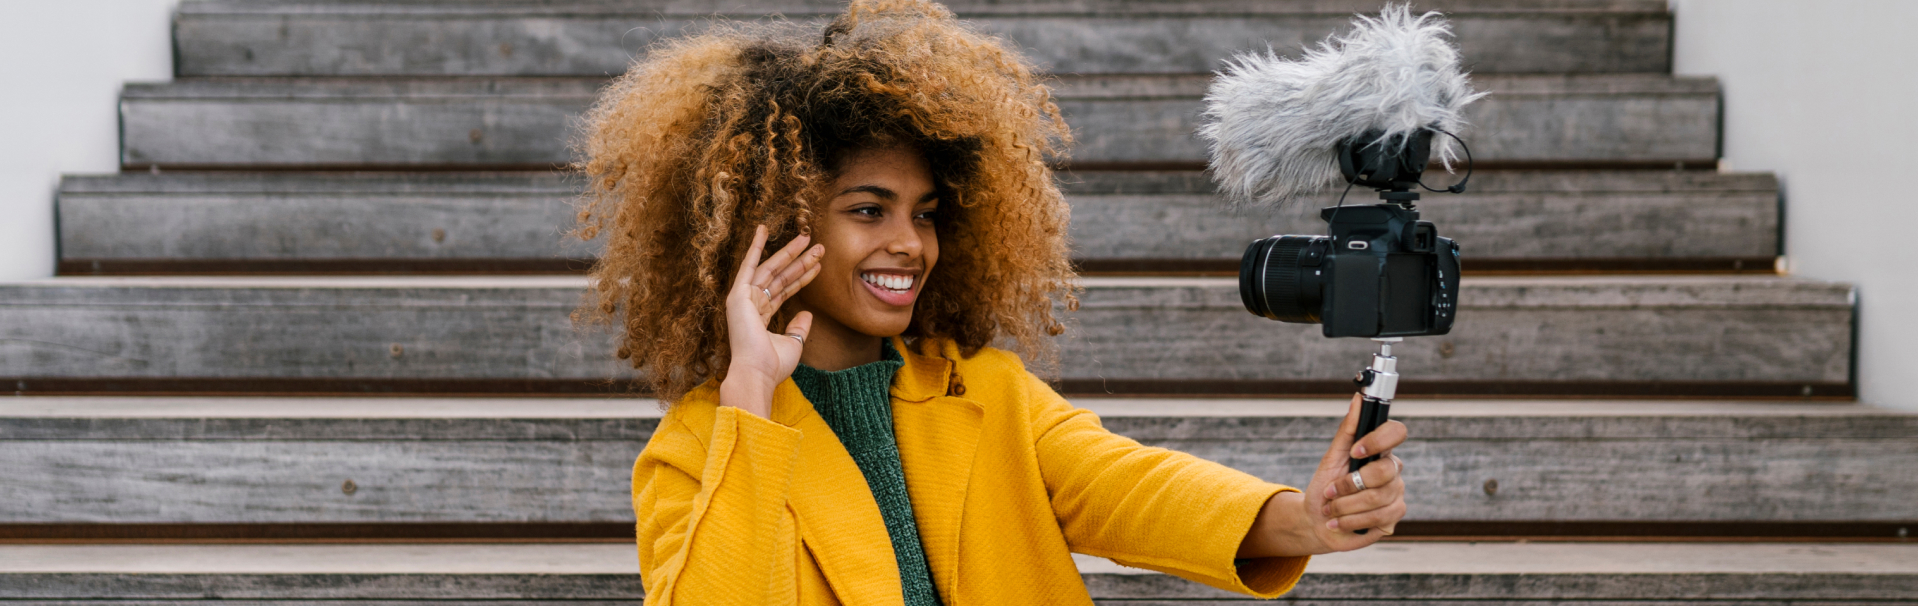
x,y
761,358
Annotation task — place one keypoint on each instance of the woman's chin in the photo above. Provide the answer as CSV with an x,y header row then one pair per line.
x,y
885,327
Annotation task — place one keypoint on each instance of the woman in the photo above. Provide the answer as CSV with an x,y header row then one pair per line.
x,y
842,429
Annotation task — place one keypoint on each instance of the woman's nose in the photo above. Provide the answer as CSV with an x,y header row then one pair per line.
x,y
903,238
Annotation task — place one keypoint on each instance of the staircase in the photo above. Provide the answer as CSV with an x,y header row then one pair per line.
x,y
312,342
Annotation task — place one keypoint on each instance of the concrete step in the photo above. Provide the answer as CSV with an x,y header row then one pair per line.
x,y
1678,468
593,574
212,222
599,37
1121,121
1707,336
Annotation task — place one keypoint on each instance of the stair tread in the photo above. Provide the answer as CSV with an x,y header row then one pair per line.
x,y
1119,120
1065,86
488,408
702,7
1171,221
1398,558
530,37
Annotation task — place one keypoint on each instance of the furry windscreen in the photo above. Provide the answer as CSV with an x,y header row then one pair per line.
x,y
1273,125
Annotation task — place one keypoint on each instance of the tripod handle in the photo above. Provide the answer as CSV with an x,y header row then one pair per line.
x,y
1372,413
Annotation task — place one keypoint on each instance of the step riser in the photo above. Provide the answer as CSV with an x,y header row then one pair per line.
x,y
1505,216
424,44
532,470
508,124
1731,331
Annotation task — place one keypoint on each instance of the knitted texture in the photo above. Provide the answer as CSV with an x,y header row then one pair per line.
x,y
856,403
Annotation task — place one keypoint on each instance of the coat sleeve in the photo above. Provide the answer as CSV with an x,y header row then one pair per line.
x,y
1152,508
714,525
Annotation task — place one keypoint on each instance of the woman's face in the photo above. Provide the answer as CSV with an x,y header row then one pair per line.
x,y
877,230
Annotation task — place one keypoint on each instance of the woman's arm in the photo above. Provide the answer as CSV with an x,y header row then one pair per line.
x,y
713,525
730,489
1323,518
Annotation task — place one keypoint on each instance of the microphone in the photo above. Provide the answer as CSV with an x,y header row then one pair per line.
x,y
1275,127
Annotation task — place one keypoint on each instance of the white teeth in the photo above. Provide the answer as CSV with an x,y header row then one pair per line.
x,y
888,281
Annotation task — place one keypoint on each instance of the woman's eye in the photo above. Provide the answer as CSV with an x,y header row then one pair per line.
x,y
869,211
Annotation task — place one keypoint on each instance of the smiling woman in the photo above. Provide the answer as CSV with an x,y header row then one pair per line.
x,y
812,243
745,125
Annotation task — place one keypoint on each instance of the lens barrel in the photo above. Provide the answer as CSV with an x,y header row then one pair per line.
x,y
1279,278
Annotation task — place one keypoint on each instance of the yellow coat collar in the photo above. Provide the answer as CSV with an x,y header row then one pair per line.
x,y
938,435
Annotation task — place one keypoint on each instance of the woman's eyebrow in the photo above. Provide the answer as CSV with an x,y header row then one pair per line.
x,y
876,190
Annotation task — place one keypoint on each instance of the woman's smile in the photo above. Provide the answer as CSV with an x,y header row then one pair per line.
x,y
895,287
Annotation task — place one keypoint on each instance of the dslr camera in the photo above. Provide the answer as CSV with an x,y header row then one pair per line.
x,y
1381,272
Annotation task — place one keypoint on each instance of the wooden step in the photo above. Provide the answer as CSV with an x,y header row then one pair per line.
x,y
1164,222
1647,336
599,37
1138,121
260,468
1469,573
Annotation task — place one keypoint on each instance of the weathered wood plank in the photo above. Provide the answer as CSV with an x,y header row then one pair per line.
x,y
597,38
482,123
1762,465
1540,329
1116,215
1437,573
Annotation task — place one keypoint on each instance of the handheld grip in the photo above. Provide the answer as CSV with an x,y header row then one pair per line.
x,y
1372,413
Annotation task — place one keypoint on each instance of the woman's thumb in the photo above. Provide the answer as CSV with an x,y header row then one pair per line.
x,y
1342,442
800,327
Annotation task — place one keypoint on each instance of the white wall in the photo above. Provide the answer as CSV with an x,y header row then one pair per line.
x,y
61,66
1825,94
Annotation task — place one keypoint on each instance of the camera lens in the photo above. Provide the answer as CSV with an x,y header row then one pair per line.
x,y
1276,283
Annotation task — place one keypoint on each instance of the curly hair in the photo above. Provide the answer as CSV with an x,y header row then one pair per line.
x,y
712,134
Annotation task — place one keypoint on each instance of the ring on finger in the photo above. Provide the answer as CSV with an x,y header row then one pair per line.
x,y
767,292
1358,481
796,337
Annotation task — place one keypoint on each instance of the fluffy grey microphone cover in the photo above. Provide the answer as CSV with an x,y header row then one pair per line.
x,y
1273,125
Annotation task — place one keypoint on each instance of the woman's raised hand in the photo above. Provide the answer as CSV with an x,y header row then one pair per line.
x,y
763,358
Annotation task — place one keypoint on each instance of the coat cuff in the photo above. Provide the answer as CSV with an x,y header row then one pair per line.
x,y
1214,561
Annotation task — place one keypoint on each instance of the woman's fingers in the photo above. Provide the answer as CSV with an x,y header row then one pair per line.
x,y
1376,474
749,266
1369,499
1384,439
764,274
1388,515
795,276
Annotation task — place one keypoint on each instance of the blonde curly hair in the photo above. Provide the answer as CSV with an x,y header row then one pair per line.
x,y
713,134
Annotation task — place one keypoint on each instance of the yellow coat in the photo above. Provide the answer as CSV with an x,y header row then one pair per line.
x,y
1006,480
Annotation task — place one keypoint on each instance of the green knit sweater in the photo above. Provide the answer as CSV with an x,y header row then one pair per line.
x,y
857,405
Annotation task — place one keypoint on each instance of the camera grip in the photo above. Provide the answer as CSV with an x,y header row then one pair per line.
x,y
1372,413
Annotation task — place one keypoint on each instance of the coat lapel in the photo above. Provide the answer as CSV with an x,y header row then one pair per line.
x,y
847,536
938,435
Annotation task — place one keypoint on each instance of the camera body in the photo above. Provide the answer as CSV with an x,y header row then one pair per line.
x,y
1381,272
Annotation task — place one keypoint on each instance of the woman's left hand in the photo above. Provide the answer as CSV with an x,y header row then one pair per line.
x,y
1336,507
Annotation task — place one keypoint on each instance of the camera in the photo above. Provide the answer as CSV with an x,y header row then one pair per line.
x,y
1381,272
